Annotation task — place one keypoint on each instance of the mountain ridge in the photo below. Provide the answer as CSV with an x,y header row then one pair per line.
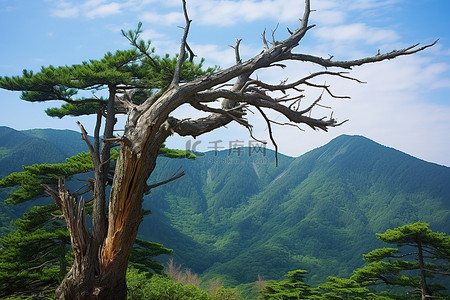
x,y
339,194
26,147
236,215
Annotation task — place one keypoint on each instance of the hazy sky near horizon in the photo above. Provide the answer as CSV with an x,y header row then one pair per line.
x,y
405,103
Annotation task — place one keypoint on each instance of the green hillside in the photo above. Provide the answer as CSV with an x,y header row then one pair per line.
x,y
19,148
35,146
236,215
239,216
68,141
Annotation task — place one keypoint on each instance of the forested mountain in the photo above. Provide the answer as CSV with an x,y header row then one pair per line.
x,y
236,214
35,146
19,148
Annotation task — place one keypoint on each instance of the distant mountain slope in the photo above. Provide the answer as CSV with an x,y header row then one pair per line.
x,y
237,215
319,212
19,148
22,148
68,141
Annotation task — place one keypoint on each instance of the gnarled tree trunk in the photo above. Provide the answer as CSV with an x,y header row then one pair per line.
x,y
99,269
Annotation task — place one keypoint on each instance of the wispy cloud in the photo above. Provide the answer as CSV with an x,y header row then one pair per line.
x,y
90,9
150,34
227,13
370,4
63,9
8,8
356,32
96,9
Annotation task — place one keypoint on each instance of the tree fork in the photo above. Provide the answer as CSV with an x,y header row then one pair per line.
x,y
102,275
77,282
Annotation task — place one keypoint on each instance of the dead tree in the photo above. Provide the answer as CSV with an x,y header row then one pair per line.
x,y
101,255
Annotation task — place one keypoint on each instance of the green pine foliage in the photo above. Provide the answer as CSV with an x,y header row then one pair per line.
x,y
175,153
344,288
79,84
390,274
226,294
33,177
292,288
141,257
74,109
35,257
401,267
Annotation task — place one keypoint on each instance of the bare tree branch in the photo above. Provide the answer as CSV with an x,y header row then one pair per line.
x,y
269,127
177,175
349,64
199,126
181,57
191,53
236,51
85,137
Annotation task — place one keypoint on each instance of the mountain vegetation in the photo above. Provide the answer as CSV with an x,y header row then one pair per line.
x,y
319,212
35,257
27,147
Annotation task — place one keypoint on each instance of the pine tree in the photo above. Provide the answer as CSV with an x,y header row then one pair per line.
x,y
420,253
293,287
343,288
37,255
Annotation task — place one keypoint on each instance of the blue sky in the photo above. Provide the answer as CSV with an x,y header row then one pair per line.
x,y
405,103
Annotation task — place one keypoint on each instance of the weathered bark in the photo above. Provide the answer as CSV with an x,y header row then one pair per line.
x,y
99,270
77,282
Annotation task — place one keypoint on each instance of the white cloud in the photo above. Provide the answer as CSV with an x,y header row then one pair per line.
x,y
228,13
329,17
65,9
355,32
95,10
90,9
8,8
369,4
